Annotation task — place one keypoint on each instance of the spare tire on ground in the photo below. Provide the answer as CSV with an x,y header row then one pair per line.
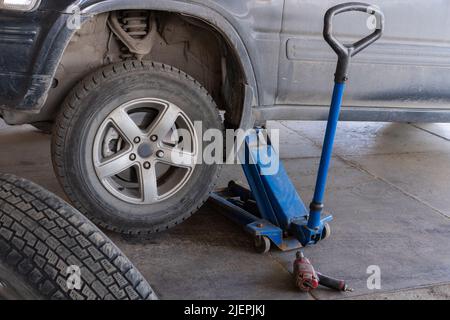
x,y
49,250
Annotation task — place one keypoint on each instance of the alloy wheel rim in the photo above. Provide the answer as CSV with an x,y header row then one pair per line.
x,y
145,151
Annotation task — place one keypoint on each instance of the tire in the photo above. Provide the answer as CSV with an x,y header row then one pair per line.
x,y
41,236
77,132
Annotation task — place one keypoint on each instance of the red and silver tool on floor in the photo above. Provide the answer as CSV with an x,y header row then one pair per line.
x,y
307,278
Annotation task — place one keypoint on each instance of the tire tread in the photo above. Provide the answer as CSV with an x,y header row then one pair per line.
x,y
41,235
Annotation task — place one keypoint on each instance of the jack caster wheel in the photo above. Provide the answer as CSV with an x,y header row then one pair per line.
x,y
326,231
262,244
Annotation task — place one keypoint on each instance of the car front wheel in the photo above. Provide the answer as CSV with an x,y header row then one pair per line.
x,y
126,146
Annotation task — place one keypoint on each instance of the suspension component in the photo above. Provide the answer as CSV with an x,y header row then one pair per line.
x,y
136,29
135,23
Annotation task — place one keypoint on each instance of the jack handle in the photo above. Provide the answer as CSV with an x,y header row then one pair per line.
x,y
346,51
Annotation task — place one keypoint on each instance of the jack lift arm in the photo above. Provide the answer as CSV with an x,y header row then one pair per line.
x,y
271,210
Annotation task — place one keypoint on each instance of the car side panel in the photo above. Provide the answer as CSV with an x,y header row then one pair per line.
x,y
252,26
408,68
258,22
22,37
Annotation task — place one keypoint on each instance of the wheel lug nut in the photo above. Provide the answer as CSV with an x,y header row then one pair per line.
x,y
160,154
154,138
147,165
137,140
132,157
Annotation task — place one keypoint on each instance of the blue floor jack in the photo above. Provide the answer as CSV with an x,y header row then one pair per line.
x,y
272,211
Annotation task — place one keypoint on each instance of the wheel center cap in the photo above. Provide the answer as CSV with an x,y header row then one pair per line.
x,y
145,150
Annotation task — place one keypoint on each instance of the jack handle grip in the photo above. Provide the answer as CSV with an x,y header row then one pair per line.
x,y
346,51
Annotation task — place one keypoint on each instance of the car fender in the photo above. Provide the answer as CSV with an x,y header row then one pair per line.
x,y
211,16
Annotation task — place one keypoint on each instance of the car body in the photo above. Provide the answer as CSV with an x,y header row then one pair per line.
x,y
287,67
116,79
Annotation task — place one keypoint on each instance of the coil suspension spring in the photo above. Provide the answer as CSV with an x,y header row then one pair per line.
x,y
136,24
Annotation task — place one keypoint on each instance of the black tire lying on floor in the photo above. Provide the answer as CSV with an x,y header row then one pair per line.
x,y
110,119
45,244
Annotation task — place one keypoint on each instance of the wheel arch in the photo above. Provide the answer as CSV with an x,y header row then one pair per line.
x,y
208,15
213,18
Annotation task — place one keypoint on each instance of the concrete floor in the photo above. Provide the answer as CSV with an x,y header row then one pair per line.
x,y
389,191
